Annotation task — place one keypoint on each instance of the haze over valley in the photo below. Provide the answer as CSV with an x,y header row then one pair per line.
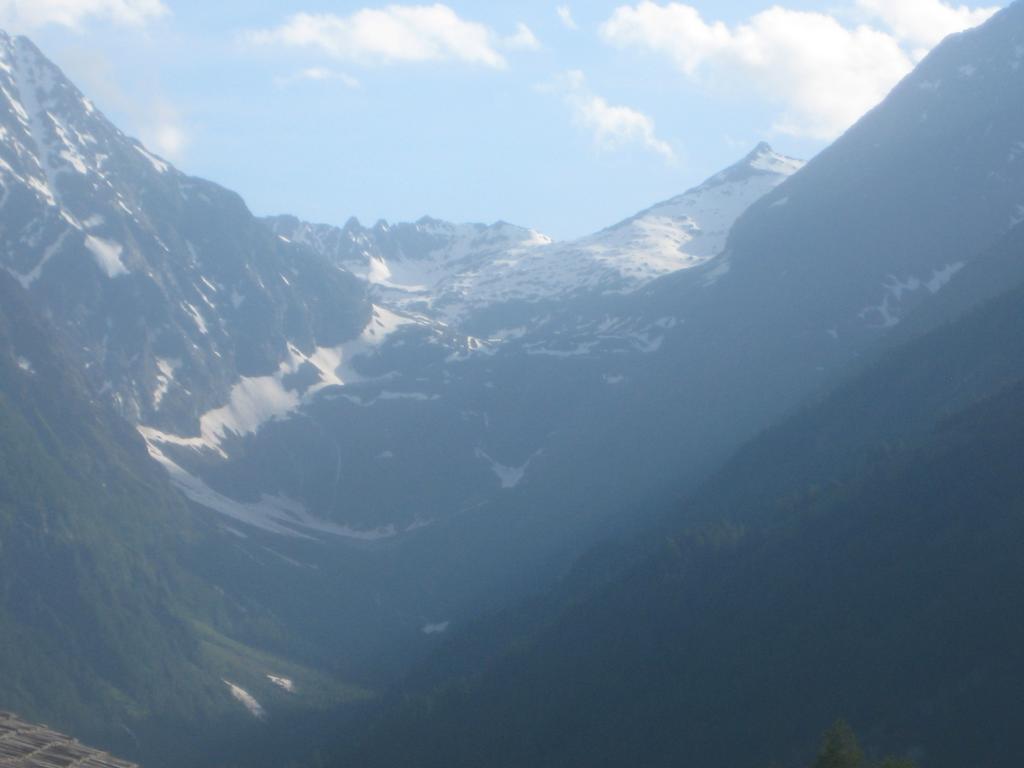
x,y
735,471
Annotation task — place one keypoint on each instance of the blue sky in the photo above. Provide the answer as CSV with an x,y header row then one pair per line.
x,y
562,116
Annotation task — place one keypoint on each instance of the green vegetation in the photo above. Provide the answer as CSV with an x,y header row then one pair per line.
x,y
105,630
841,749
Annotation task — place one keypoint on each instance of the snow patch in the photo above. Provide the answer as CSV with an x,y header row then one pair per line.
x,y
274,514
158,165
386,395
107,254
197,317
772,162
895,289
580,350
284,683
475,266
164,377
255,401
941,277
510,477
247,700
43,189
436,629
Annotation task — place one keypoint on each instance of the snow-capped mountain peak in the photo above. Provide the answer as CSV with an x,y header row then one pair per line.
x,y
157,277
688,230
451,271
764,158
56,141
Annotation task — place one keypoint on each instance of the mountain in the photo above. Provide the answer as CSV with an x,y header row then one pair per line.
x,y
453,271
170,289
382,433
854,562
859,560
354,463
130,294
651,388
418,369
106,629
214,335
815,273
374,433
421,458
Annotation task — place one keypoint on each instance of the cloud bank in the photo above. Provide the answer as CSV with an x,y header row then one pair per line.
x,y
30,14
397,34
821,74
612,127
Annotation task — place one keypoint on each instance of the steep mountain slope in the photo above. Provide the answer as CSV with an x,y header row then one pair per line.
x,y
234,350
377,473
104,627
452,272
681,370
529,430
814,273
169,287
173,304
907,387
412,374
860,560
130,291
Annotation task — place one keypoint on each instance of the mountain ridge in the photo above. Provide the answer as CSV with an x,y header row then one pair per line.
x,y
375,455
116,234
466,260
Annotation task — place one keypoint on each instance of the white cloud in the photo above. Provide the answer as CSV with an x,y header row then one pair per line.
x,y
318,74
612,127
145,112
820,74
30,14
163,131
924,23
565,14
522,40
393,34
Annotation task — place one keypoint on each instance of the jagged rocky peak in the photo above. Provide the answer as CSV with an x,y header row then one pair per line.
x,y
456,270
764,158
171,291
55,139
691,229
763,164
427,238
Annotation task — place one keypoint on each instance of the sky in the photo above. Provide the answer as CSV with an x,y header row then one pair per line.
x,y
562,116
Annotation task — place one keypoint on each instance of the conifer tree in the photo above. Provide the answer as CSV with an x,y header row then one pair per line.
x,y
840,749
